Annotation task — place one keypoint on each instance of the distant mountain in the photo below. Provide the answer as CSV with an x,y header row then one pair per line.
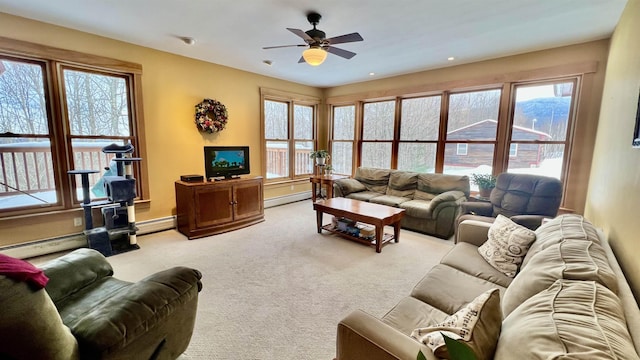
x,y
544,110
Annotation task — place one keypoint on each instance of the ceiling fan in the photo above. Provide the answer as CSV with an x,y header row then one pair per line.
x,y
317,43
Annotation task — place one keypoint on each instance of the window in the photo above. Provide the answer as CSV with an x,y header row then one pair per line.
x,y
97,106
539,130
513,150
342,146
40,142
289,128
462,149
419,124
472,123
377,134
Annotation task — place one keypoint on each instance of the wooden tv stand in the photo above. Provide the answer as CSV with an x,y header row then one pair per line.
x,y
208,208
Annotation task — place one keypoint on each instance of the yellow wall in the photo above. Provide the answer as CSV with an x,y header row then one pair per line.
x,y
614,189
172,85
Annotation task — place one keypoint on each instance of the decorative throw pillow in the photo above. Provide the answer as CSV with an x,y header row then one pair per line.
x,y
477,324
507,245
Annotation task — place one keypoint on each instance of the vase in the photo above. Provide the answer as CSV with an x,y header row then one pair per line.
x,y
320,160
485,192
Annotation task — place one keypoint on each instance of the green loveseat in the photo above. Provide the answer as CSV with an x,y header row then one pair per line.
x,y
85,313
432,201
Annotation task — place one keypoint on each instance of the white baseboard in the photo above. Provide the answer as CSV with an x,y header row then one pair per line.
x,y
281,200
74,241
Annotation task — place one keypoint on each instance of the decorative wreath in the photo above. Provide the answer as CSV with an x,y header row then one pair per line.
x,y
211,116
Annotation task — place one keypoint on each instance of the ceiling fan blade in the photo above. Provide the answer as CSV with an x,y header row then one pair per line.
x,y
302,34
283,46
341,52
347,38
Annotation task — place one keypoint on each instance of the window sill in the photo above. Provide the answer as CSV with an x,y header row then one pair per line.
x,y
139,204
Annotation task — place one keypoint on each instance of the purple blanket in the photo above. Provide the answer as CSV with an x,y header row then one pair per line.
x,y
22,271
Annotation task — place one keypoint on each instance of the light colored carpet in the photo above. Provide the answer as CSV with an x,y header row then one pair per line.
x,y
278,289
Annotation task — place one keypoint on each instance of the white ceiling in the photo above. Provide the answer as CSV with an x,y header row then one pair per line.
x,y
401,36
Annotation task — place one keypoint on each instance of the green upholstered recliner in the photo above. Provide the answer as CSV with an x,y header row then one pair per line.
x,y
524,198
85,313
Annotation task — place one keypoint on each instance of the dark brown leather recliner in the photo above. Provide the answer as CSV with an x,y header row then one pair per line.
x,y
526,199
86,313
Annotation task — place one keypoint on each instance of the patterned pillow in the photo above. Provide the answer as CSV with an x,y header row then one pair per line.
x,y
477,324
507,245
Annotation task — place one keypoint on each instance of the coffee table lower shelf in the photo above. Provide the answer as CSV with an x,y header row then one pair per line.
x,y
387,237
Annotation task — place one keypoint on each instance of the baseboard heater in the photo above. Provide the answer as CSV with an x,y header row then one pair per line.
x,y
74,241
286,199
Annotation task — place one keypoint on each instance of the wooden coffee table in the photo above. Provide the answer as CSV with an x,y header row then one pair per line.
x,y
356,210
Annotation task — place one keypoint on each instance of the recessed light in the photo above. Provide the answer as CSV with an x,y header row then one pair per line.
x,y
268,62
188,40
371,73
451,58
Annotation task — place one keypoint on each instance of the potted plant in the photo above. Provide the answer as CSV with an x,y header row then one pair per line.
x,y
485,182
320,155
328,169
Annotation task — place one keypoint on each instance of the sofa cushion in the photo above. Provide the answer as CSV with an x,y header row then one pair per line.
x,y
74,271
402,184
569,320
570,259
477,324
568,226
430,185
389,200
507,245
348,186
373,179
417,208
363,195
411,313
466,258
450,289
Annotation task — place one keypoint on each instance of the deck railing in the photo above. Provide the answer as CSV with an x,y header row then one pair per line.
x,y
28,167
278,165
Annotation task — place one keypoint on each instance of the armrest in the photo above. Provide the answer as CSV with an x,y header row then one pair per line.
x,y
473,232
529,221
447,198
477,208
364,337
74,271
344,187
131,312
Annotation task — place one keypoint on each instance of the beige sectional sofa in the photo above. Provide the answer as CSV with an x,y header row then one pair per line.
x,y
432,201
569,300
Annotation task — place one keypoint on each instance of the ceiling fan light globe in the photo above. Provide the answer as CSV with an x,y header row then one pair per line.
x,y
314,56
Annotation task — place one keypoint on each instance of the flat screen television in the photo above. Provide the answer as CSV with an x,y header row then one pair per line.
x,y
226,161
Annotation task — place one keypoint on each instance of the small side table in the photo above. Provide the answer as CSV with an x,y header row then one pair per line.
x,y
318,180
